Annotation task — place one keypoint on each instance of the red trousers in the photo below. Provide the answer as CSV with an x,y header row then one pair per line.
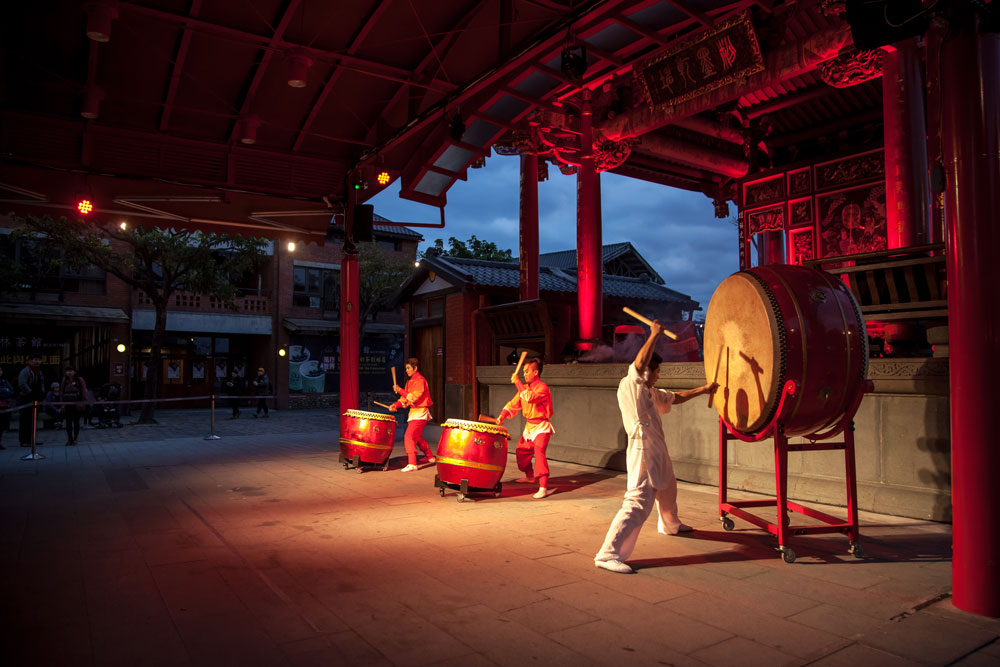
x,y
526,449
415,438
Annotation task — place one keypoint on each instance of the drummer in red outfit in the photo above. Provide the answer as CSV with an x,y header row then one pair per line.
x,y
417,397
535,399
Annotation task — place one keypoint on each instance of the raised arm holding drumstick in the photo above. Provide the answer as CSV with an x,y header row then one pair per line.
x,y
416,396
534,398
650,477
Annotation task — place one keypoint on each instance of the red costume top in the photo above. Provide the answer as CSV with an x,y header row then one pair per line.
x,y
416,393
535,400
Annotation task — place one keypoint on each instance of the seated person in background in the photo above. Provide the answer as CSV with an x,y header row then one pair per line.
x,y
51,416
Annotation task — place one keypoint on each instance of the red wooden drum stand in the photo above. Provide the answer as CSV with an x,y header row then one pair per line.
x,y
788,348
783,528
471,456
366,437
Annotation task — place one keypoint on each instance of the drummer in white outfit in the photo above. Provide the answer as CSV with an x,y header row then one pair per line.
x,y
650,473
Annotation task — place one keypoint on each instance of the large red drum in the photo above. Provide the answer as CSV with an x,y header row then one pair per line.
x,y
771,324
473,451
367,435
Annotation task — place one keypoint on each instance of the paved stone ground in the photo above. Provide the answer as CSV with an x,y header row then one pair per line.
x,y
149,545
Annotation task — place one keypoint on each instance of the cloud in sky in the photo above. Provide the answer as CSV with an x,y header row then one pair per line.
x,y
675,230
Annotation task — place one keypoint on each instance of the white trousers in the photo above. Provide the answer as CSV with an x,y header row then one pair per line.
x,y
639,500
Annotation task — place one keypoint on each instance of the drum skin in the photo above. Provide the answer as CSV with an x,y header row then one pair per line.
x,y
779,322
470,450
368,435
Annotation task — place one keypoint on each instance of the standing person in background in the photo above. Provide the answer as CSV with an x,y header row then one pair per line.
x,y
73,388
417,397
651,479
30,387
262,384
535,399
6,402
234,387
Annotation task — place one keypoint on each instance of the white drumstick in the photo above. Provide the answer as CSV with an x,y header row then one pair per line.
x,y
648,322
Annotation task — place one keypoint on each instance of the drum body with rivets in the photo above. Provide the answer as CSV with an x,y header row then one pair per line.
x,y
368,435
474,451
771,324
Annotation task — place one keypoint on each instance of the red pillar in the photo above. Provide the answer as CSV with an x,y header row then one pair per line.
x,y
773,247
907,184
349,356
970,131
528,253
589,265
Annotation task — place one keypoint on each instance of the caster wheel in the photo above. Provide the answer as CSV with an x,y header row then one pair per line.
x,y
360,469
727,523
787,554
441,491
856,550
461,498
385,466
497,490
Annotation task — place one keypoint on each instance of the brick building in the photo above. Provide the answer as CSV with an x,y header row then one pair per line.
x,y
82,317
463,313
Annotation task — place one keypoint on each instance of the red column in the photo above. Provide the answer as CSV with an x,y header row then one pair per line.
x,y
773,247
528,253
907,184
970,131
349,358
589,266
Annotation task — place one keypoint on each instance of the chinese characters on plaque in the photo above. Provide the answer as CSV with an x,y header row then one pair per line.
x,y
711,60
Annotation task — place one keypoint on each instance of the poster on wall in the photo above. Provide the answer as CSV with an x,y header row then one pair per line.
x,y
314,363
220,369
852,221
198,370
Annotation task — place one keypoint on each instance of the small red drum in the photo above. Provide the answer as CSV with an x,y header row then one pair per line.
x,y
367,435
775,323
472,451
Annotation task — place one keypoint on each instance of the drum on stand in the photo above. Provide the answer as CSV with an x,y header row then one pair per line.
x,y
471,456
771,324
366,437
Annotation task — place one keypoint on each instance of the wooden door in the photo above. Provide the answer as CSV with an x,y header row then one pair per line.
x,y
428,348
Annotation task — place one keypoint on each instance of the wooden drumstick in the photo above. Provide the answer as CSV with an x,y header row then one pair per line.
x,y
520,362
648,322
394,383
488,419
382,405
718,360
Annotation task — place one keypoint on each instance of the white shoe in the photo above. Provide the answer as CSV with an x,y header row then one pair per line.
x,y
614,566
542,493
409,468
682,528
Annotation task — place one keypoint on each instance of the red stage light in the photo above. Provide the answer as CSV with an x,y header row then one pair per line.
x,y
383,178
84,206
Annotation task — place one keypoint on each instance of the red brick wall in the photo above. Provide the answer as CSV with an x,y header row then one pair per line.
x,y
458,338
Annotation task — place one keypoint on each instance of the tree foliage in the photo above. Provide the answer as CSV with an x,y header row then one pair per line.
x,y
381,274
158,262
474,248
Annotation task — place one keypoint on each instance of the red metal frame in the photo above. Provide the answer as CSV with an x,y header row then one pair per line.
x,y
783,529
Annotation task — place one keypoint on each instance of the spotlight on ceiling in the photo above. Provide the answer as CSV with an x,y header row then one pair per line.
x,y
99,18
246,129
573,62
298,70
92,97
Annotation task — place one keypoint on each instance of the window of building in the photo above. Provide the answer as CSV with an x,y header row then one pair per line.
x,y
316,288
389,245
43,271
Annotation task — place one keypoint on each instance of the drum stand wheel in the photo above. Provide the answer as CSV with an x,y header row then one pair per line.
x,y
497,489
856,550
787,554
727,523
463,491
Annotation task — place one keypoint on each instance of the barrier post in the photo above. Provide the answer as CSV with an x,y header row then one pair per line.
x,y
34,455
212,435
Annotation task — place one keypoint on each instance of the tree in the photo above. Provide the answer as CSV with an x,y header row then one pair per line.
x,y
473,249
381,274
158,262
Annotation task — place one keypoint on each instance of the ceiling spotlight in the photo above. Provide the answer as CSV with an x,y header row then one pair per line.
x,y
573,62
246,129
84,206
383,178
99,18
298,70
92,97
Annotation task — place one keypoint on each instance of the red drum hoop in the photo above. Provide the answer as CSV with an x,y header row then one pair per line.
x,y
775,323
